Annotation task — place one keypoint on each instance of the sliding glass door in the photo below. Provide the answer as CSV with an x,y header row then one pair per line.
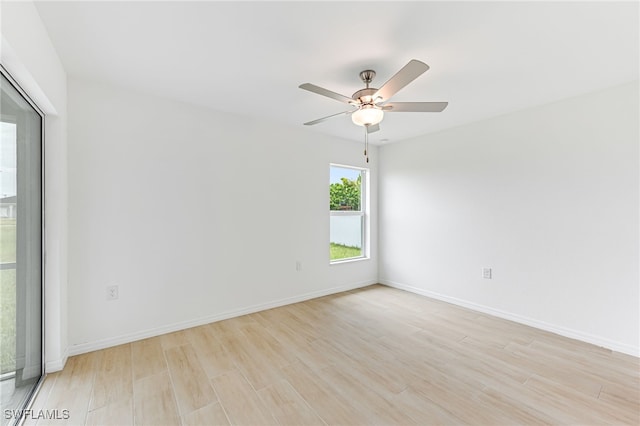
x,y
21,134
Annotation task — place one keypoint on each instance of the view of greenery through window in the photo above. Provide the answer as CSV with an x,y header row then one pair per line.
x,y
345,195
347,216
7,295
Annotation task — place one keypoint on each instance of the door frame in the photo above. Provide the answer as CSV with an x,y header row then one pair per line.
x,y
5,73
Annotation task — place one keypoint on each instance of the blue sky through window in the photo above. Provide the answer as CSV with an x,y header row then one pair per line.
x,y
335,173
8,160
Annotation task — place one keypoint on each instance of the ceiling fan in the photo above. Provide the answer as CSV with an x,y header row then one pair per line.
x,y
370,103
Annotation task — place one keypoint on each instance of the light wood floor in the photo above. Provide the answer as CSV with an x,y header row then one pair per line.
x,y
370,356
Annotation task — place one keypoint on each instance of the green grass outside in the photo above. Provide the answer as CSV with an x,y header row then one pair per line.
x,y
338,251
7,296
7,240
8,320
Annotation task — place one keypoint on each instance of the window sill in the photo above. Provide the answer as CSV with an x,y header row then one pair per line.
x,y
350,260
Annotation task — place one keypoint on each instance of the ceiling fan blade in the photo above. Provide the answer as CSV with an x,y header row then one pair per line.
x,y
414,106
373,128
406,75
328,93
320,120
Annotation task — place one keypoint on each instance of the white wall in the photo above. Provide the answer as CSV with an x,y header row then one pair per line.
x,y
196,215
27,53
547,197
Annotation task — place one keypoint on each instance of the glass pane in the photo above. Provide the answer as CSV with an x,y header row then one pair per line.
x,y
20,250
345,237
345,189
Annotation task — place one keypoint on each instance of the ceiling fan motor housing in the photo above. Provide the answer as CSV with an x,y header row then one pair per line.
x,y
365,96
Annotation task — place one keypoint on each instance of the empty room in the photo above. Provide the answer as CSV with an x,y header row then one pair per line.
x,y
331,213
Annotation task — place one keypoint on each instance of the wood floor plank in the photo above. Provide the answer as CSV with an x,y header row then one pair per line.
x,y
516,411
172,340
627,361
119,413
266,344
78,375
154,402
271,317
299,345
621,395
190,383
598,410
594,363
374,372
535,402
422,409
560,370
257,367
147,358
412,348
232,325
209,415
287,406
113,381
240,401
322,353
459,399
355,390
290,336
214,358
322,397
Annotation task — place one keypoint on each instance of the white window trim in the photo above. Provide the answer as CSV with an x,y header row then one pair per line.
x,y
364,213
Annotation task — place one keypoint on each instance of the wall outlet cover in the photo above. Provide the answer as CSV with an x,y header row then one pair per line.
x,y
486,273
112,292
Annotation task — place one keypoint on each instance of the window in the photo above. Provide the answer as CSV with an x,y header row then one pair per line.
x,y
348,212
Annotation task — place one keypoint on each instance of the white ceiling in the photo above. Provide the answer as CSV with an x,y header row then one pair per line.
x,y
486,58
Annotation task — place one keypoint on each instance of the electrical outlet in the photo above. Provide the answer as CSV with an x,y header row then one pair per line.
x,y
112,292
298,266
486,273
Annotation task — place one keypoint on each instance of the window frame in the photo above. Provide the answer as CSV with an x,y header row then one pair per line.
x,y
363,213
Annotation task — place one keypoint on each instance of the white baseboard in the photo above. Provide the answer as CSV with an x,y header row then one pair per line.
x,y
56,364
562,331
169,328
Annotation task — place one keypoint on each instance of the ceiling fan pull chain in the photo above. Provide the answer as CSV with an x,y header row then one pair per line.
x,y
366,141
366,137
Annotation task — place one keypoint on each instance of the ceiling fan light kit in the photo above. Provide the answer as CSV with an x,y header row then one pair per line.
x,y
371,103
367,115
